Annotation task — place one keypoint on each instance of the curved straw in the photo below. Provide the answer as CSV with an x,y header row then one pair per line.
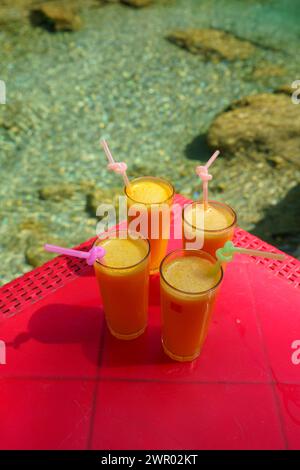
x,y
91,256
117,167
202,172
226,254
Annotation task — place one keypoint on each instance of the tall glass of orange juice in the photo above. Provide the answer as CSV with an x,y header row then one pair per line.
x,y
189,284
123,278
217,223
156,196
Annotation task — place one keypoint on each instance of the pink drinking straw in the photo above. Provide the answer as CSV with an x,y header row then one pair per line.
x,y
91,256
202,172
117,167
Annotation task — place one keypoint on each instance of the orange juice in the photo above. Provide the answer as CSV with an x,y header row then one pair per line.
x,y
217,225
156,196
188,286
123,278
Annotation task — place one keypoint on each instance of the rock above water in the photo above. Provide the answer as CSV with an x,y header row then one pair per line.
x,y
132,3
137,3
259,126
286,89
56,16
102,196
212,44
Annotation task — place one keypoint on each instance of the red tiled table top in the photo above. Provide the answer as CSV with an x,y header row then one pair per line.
x,y
67,384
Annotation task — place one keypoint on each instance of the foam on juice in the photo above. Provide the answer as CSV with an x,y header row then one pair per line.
x,y
149,192
191,274
215,218
122,253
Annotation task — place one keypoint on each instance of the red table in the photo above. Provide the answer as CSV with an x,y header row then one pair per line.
x,y
67,384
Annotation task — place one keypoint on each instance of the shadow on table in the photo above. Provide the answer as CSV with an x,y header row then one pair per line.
x,y
65,324
281,223
145,350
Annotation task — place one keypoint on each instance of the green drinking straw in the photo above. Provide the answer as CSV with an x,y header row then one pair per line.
x,y
227,252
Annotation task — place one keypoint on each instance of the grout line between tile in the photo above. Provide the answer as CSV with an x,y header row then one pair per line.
x,y
96,389
180,382
100,378
52,378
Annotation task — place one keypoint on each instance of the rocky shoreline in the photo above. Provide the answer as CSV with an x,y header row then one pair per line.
x,y
164,97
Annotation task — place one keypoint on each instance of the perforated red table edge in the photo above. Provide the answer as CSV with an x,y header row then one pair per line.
x,y
40,282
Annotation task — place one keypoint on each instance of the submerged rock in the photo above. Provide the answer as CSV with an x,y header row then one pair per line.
x,y
212,44
57,192
263,71
33,234
269,74
259,126
35,253
56,16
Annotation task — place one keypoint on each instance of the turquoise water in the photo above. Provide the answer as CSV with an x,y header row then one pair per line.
x,y
121,79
